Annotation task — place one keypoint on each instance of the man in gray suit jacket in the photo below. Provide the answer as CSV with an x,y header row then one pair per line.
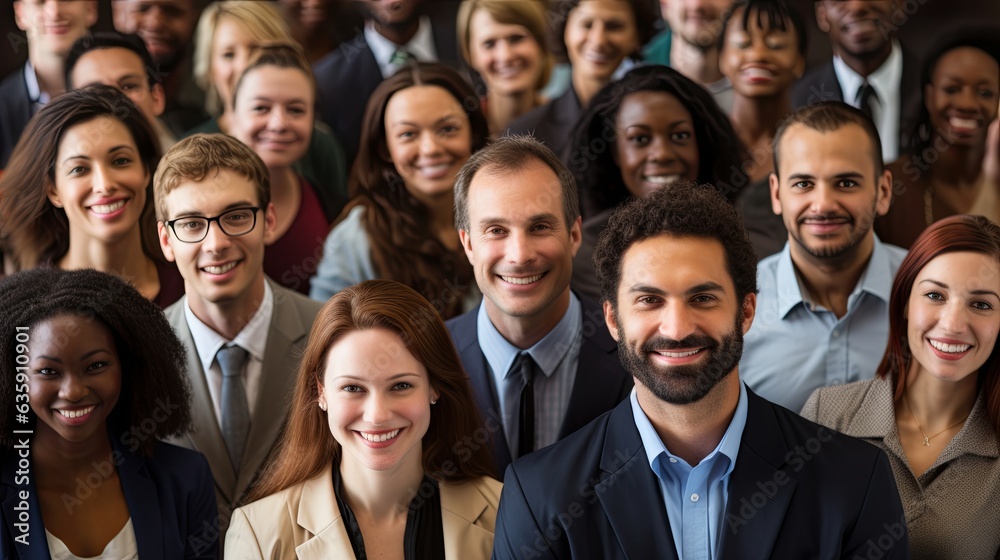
x,y
540,361
243,333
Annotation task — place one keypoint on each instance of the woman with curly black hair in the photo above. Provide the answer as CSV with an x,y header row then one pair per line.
x,y
652,128
91,378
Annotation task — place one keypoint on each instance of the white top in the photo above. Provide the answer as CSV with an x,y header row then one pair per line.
x,y
122,547
253,339
887,82
420,46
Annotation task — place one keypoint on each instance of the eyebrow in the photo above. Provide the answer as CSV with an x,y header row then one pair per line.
x,y
669,125
110,150
391,377
697,289
270,99
844,175
505,221
82,358
199,213
411,123
973,292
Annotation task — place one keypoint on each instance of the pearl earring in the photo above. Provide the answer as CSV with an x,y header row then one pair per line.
x,y
434,401
322,406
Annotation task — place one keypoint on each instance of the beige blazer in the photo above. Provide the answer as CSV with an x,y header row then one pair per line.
x,y
304,522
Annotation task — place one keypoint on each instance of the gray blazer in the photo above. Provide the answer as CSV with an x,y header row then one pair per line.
x,y
286,341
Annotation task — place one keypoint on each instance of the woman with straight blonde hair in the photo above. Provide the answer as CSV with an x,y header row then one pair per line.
x,y
385,452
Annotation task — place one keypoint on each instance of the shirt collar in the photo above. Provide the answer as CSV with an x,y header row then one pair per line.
x,y
35,93
253,337
729,446
885,79
420,46
548,352
876,279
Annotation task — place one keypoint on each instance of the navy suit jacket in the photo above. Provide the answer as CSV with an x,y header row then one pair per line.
x,y
347,76
551,123
821,84
15,112
169,497
601,381
798,490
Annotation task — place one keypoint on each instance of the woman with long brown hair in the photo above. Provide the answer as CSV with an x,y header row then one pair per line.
x,y
420,128
934,406
385,453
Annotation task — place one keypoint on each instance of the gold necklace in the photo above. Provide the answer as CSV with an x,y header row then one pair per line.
x,y
927,439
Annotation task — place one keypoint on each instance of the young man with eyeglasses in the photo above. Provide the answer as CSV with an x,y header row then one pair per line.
x,y
243,332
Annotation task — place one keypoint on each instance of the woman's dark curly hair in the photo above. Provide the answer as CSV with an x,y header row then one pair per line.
x,y
983,37
680,210
398,224
593,141
153,360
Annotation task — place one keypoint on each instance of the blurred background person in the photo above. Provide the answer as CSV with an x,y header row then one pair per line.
x,y
663,128
51,27
228,33
400,225
934,407
320,26
869,70
167,29
376,461
945,170
105,383
690,44
597,36
505,43
77,193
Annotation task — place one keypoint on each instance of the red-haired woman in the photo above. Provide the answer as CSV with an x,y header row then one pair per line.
x,y
380,458
934,407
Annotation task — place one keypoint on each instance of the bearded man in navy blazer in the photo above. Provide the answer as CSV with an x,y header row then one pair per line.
x,y
518,218
693,464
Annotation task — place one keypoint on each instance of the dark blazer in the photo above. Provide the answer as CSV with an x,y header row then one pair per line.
x,y
601,381
821,84
15,112
169,497
293,317
798,490
347,76
551,123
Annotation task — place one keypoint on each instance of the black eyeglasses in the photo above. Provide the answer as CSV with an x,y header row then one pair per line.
x,y
234,223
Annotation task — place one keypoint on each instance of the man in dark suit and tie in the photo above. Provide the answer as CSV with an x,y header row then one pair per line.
x,y
541,362
243,333
394,33
869,69
693,464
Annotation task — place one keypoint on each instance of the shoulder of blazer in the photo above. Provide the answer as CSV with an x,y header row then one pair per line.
x,y
464,329
340,69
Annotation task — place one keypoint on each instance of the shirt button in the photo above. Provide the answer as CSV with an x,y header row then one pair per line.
x,y
672,460
694,497
836,334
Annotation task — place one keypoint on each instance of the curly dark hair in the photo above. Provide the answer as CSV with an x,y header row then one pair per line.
x,y
683,209
153,360
397,223
642,10
593,139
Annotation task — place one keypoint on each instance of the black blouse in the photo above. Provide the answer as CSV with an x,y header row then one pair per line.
x,y
424,536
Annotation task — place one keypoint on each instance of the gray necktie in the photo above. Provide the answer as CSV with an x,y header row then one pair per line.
x,y
235,410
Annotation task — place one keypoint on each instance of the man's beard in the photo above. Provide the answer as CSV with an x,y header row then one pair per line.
x,y
683,384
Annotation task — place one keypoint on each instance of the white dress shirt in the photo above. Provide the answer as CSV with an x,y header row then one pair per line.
x,y
887,82
420,46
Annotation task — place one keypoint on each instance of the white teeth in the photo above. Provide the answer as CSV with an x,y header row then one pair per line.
x,y
522,281
219,269
662,180
108,208
597,57
963,123
950,348
679,354
758,73
76,413
379,438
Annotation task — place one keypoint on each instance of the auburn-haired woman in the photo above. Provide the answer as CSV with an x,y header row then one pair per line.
x,y
420,127
78,193
380,457
934,406
91,378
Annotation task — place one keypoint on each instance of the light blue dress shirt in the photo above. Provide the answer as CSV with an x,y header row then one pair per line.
x,y
796,346
695,497
557,355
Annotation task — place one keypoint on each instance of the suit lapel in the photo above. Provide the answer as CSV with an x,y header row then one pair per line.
x,y
461,507
143,504
318,514
36,549
630,494
206,437
758,500
277,378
